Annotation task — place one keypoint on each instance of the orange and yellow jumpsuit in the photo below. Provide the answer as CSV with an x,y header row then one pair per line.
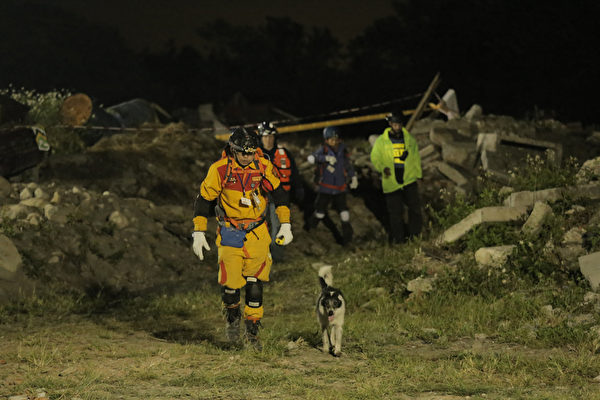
x,y
241,194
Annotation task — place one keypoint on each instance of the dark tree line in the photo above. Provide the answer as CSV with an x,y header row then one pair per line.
x,y
508,56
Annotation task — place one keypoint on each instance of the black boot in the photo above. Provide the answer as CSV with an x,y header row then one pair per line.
x,y
252,333
232,327
312,223
347,233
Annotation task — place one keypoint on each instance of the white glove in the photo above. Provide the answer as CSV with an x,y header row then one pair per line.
x,y
354,182
284,236
200,243
331,160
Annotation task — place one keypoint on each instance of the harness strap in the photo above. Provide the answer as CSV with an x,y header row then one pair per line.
x,y
247,224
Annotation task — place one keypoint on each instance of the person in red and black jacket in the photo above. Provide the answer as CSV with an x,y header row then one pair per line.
x,y
334,175
289,177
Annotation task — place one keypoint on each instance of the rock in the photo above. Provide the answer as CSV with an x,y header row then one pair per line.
x,y
118,219
10,259
5,188
590,268
493,256
25,194
420,285
40,194
12,212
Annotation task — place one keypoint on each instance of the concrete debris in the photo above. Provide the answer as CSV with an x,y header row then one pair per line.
x,y
533,225
474,113
590,171
480,216
589,266
452,173
121,207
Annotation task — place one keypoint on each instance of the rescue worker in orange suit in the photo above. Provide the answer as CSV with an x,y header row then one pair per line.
x,y
288,175
240,182
334,174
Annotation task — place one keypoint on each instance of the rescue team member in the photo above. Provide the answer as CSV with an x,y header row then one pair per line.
x,y
395,155
240,181
288,176
333,171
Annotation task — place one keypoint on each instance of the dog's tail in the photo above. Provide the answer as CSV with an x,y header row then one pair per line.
x,y
325,276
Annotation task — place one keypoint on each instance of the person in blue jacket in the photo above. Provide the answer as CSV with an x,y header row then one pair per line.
x,y
334,174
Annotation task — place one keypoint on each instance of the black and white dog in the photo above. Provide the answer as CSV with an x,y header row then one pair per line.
x,y
331,308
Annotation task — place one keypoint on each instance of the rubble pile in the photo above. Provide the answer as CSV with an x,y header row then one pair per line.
x,y
118,215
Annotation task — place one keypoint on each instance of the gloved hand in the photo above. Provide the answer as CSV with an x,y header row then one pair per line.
x,y
404,155
331,160
354,182
284,236
200,243
387,172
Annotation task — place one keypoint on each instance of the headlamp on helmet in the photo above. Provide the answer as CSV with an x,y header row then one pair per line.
x,y
243,141
266,129
395,117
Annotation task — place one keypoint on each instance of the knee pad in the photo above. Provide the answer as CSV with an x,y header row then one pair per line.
x,y
319,215
345,215
230,296
254,292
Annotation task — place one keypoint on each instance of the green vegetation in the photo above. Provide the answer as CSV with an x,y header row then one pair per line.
x,y
474,335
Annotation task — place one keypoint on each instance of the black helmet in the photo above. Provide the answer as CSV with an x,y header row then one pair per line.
x,y
243,140
395,116
266,128
330,132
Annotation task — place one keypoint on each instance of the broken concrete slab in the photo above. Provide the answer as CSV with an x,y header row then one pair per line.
x,y
487,141
589,266
426,151
479,216
533,225
464,127
462,154
474,113
440,135
533,144
503,153
494,256
528,198
452,173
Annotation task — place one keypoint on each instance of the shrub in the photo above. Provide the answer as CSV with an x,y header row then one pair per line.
x,y
543,173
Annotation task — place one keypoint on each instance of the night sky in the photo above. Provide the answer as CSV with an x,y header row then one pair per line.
x,y
524,58
151,23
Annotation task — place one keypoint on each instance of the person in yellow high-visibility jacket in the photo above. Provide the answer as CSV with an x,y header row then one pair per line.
x,y
240,182
395,155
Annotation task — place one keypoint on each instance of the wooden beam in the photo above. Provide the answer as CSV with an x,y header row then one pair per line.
x,y
321,124
434,83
